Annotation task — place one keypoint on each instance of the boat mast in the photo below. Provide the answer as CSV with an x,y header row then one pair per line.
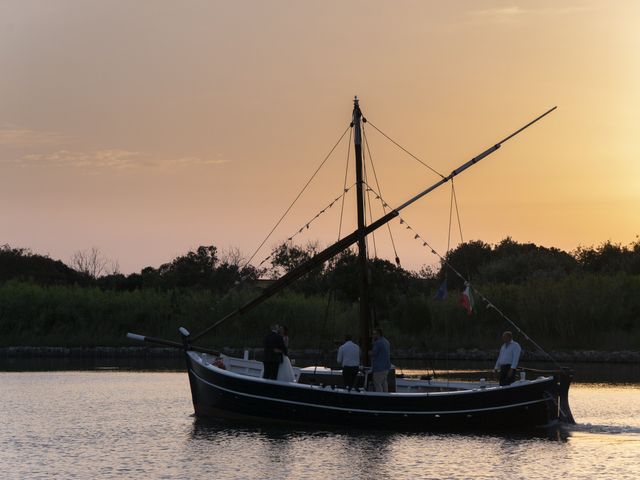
x,y
365,311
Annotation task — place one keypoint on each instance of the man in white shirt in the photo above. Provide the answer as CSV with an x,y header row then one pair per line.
x,y
349,358
508,359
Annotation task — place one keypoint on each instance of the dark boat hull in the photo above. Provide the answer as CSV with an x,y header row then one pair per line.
x,y
220,394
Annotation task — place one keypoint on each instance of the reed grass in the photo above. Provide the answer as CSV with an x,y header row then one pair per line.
x,y
587,311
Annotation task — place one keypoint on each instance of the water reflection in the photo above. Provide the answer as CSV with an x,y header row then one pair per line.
x,y
115,424
214,430
279,451
356,453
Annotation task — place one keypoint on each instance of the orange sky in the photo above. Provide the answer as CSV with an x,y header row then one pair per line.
x,y
149,128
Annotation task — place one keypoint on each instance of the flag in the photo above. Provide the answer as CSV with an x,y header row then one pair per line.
x,y
467,298
442,292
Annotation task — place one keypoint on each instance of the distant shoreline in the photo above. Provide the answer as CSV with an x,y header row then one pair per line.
x,y
579,356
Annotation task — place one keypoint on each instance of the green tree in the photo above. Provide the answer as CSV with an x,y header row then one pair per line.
x,y
467,259
22,264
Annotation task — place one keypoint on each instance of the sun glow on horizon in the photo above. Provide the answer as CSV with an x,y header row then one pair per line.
x,y
148,135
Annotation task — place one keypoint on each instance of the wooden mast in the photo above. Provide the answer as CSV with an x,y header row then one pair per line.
x,y
363,267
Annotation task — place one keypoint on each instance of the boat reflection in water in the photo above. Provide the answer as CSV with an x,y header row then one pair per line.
x,y
215,429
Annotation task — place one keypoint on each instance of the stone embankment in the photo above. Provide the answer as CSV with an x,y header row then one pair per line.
x,y
626,356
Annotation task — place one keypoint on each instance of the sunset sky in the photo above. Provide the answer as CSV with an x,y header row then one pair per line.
x,y
147,128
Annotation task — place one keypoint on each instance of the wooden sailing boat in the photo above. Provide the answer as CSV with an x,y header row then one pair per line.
x,y
227,387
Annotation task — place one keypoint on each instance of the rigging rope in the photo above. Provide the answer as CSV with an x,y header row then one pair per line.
x,y
322,336
488,303
298,196
454,199
450,219
446,278
368,203
404,149
384,208
344,187
306,225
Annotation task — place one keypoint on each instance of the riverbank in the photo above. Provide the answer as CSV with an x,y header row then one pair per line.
x,y
581,356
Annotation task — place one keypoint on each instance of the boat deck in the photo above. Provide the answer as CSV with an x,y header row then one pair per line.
x,y
332,378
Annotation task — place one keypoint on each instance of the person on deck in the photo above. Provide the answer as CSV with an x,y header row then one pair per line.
x,y
508,359
349,358
274,348
284,333
380,361
285,369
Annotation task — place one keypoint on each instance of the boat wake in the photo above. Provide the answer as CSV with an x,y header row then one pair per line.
x,y
606,429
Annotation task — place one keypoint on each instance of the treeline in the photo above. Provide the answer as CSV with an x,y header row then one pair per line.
x,y
587,299
202,268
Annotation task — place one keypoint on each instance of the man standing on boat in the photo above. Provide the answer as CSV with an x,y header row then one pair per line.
x,y
380,361
349,358
274,347
508,359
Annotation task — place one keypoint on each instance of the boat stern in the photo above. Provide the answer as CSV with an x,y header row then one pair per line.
x,y
563,380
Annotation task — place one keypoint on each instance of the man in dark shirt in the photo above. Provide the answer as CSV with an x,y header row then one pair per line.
x,y
273,349
380,361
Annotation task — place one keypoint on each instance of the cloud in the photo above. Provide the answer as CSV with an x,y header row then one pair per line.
x,y
499,12
190,161
41,149
505,14
114,159
102,159
27,137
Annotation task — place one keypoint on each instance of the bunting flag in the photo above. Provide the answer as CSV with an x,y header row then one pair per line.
x,y
442,292
467,298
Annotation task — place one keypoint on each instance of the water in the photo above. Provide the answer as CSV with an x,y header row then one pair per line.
x,y
139,424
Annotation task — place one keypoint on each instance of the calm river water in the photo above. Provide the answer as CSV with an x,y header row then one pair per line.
x,y
139,424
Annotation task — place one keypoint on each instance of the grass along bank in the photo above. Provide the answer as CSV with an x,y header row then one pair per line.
x,y
576,312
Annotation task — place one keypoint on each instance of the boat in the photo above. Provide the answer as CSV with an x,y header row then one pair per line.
x,y
232,388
